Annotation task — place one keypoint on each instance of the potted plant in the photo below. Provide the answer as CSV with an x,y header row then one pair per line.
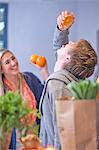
x,y
76,116
14,113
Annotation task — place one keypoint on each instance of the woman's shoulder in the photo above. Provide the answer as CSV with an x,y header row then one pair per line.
x,y
29,75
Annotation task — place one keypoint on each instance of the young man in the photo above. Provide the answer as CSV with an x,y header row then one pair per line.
x,y
74,61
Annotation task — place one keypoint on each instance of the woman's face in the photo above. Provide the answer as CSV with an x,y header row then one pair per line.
x,y
9,64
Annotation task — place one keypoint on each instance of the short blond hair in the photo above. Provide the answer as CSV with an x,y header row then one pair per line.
x,y
83,60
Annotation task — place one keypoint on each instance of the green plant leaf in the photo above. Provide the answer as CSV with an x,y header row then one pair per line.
x,y
84,89
12,109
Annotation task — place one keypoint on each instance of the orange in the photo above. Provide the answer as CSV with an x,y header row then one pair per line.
x,y
68,20
33,58
41,61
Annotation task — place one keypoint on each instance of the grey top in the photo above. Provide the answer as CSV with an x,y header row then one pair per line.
x,y
55,87
60,38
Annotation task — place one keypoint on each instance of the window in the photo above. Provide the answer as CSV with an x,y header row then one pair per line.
x,y
3,25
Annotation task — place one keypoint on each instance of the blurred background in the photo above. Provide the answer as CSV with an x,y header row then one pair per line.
x,y
27,27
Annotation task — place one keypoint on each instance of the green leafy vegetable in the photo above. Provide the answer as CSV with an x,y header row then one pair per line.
x,y
84,89
12,110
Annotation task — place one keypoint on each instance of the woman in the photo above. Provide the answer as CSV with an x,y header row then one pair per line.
x,y
11,79
75,61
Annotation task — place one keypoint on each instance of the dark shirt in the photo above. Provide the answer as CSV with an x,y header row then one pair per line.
x,y
36,87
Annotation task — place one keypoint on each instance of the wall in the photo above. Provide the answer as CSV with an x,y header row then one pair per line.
x,y
31,28
88,23
32,22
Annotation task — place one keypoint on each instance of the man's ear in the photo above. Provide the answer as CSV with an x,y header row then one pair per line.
x,y
67,59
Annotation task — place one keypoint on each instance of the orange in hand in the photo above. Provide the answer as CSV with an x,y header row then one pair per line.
x,y
33,58
38,60
41,61
68,20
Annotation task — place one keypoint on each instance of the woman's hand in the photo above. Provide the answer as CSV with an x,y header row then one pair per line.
x,y
61,18
43,71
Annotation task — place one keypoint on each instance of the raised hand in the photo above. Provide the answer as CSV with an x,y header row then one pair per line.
x,y
65,20
43,70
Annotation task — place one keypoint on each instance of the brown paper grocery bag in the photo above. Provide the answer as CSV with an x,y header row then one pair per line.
x,y
77,124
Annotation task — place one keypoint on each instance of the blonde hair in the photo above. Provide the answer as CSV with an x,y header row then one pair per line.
x,y
3,51
83,60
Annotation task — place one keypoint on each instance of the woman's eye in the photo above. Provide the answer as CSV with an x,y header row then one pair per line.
x,y
7,62
13,58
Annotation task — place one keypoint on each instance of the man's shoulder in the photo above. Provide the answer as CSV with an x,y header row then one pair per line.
x,y
62,76
57,80
60,79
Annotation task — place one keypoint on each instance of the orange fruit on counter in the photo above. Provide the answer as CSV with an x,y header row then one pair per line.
x,y
33,58
41,61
